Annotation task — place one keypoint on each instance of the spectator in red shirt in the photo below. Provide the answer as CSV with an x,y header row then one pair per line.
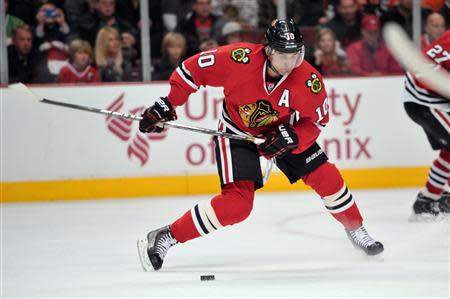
x,y
79,69
370,56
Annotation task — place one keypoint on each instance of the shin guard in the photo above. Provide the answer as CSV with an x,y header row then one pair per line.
x,y
328,183
233,205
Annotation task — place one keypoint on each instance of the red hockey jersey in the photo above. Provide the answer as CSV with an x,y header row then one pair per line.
x,y
250,107
68,74
417,91
439,51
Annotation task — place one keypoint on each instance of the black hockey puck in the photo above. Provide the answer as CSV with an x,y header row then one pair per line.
x,y
207,277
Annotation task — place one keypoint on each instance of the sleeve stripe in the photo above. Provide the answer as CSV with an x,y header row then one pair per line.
x,y
320,126
421,91
185,75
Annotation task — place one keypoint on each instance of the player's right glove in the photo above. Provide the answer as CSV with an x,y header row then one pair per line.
x,y
161,111
279,142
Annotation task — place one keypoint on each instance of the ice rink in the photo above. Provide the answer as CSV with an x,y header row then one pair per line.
x,y
289,246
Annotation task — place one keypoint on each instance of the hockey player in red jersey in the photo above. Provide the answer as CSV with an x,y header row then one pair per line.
x,y
269,91
432,112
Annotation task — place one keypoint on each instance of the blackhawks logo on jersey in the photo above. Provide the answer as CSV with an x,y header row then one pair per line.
x,y
258,114
240,55
314,84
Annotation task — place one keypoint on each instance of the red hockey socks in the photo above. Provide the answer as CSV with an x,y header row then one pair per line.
x,y
232,206
438,175
328,183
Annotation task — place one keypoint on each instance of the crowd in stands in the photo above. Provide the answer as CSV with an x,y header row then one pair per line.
x,y
99,40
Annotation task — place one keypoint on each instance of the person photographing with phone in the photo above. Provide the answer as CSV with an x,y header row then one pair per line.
x,y
51,37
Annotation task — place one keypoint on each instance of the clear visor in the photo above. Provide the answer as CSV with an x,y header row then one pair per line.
x,y
284,63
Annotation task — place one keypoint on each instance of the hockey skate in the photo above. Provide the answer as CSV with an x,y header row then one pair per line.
x,y
361,240
426,209
154,248
444,203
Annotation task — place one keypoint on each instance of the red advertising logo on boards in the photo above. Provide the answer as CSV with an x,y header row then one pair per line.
x,y
126,131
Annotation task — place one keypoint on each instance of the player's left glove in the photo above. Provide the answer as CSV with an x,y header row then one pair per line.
x,y
161,111
279,142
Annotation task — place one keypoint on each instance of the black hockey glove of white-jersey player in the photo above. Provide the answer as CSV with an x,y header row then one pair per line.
x,y
279,142
161,111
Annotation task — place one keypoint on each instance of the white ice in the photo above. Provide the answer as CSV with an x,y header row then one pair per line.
x,y
289,246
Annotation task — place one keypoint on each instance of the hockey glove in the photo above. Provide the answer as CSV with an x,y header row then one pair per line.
x,y
278,143
160,112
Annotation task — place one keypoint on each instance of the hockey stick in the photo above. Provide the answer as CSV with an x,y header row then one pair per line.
x,y
20,87
26,91
404,51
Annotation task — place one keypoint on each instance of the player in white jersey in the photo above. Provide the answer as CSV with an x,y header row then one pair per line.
x,y
432,112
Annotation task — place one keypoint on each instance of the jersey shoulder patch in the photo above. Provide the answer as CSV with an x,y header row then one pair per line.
x,y
314,83
240,55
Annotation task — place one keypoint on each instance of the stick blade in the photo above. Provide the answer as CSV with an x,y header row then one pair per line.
x,y
23,89
412,60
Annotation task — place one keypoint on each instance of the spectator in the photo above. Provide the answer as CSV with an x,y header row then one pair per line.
x,y
24,63
173,50
315,13
434,28
200,25
346,24
445,12
329,58
81,18
267,11
247,11
129,11
109,57
101,13
208,44
370,56
402,15
230,13
231,33
50,36
12,22
79,69
174,11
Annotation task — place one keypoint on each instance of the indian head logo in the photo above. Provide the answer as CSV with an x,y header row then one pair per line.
x,y
258,114
138,143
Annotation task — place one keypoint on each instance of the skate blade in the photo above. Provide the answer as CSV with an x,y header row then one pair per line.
x,y
426,218
374,258
143,256
377,258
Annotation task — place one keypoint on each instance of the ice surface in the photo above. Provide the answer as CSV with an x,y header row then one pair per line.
x,y
289,246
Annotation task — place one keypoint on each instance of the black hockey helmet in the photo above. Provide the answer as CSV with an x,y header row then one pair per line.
x,y
284,36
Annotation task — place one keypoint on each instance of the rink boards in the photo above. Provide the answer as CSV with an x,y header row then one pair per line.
x,y
50,152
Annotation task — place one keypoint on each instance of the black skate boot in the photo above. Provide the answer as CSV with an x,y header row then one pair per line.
x,y
426,206
361,239
154,248
444,202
